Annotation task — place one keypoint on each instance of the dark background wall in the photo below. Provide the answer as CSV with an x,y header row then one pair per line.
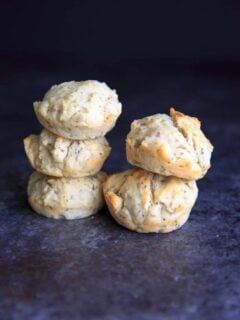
x,y
122,29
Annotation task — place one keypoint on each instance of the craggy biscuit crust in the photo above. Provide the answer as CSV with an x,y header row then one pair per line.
x,y
61,157
169,145
79,110
146,202
65,197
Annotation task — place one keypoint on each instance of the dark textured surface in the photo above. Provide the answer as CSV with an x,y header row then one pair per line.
x,y
93,268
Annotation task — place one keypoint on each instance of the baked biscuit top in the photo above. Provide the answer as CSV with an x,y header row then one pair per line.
x,y
85,102
169,145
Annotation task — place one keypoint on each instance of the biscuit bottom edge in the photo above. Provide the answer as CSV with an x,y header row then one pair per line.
x,y
67,214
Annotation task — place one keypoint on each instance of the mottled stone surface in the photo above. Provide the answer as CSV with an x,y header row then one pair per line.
x,y
95,269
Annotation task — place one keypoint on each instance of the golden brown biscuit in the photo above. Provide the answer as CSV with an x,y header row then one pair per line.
x,y
65,197
61,157
169,145
146,202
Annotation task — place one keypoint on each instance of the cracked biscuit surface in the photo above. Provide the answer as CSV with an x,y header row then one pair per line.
x,y
146,202
79,110
61,157
65,197
169,145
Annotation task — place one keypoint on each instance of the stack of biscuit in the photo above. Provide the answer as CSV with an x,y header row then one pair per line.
x,y
71,149
170,153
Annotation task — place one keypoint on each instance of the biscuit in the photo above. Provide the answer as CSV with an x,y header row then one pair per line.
x,y
146,202
61,157
65,197
169,145
79,110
